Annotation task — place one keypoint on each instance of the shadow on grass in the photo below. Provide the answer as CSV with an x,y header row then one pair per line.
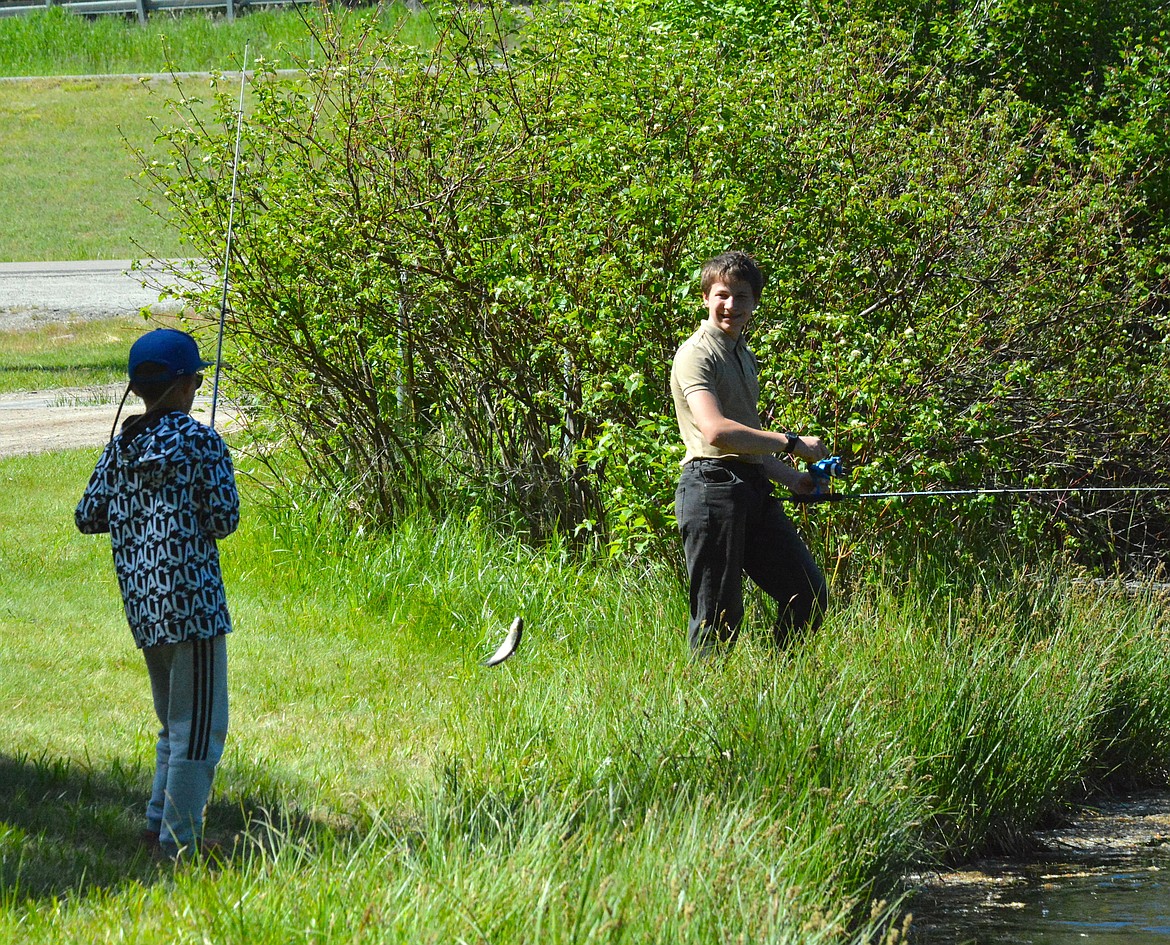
x,y
69,829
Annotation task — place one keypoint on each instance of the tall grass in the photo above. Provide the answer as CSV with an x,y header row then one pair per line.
x,y
598,787
57,43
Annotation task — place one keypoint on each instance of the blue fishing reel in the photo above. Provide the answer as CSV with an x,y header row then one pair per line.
x,y
823,470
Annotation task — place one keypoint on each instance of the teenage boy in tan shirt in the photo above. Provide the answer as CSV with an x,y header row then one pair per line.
x,y
731,523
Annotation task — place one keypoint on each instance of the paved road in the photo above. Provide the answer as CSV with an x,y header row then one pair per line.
x,y
32,293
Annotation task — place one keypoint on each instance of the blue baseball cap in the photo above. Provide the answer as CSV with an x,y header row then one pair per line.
x,y
173,349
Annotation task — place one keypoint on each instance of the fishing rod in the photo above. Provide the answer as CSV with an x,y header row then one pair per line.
x,y
227,255
825,470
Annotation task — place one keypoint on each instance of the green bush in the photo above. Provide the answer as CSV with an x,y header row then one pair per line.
x,y
460,274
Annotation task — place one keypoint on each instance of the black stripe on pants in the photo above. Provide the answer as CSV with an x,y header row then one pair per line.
x,y
202,699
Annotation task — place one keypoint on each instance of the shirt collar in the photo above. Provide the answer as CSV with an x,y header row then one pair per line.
x,y
721,339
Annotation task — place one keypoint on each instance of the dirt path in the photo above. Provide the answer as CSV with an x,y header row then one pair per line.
x,y
51,420
40,421
34,294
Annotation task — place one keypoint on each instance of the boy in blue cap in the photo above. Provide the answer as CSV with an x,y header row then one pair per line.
x,y
165,490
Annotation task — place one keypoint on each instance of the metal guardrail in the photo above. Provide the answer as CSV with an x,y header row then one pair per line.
x,y
142,8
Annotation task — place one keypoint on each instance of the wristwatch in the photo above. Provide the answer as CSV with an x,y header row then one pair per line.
x,y
792,444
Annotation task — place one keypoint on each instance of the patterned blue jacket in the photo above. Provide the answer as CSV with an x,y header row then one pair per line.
x,y
165,491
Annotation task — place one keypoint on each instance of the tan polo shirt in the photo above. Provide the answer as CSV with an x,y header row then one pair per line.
x,y
711,361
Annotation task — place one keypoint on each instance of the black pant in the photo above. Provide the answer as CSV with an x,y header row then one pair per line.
x,y
731,524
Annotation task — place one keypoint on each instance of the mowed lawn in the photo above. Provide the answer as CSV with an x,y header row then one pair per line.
x,y
69,185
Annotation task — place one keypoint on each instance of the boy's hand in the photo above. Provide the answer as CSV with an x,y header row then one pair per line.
x,y
811,448
804,484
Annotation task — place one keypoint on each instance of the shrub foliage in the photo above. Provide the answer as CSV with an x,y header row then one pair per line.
x,y
459,273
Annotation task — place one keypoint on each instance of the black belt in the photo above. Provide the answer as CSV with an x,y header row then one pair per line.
x,y
742,469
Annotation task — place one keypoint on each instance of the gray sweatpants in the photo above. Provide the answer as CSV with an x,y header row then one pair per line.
x,y
188,682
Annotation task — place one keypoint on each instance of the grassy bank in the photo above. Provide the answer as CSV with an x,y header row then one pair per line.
x,y
79,352
68,187
57,43
67,354
598,787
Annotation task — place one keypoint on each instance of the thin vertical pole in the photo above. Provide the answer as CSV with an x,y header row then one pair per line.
x,y
227,254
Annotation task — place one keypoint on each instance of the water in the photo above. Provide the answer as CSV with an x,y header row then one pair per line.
x,y
1104,878
1113,908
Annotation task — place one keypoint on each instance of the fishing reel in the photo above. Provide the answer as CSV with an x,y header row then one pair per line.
x,y
824,470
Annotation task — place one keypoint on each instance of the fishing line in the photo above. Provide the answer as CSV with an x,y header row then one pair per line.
x,y
118,415
825,470
963,493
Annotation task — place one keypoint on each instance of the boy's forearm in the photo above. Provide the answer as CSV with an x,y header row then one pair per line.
x,y
221,516
734,437
218,499
92,515
91,525
737,438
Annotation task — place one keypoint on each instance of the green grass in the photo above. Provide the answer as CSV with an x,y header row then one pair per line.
x,y
597,787
74,353
57,43
68,181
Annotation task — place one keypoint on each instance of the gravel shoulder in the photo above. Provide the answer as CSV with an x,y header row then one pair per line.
x,y
40,292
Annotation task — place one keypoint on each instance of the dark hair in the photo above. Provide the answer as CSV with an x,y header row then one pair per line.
x,y
732,265
152,381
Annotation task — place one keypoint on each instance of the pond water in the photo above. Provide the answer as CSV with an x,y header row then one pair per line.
x,y
1102,878
1118,908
